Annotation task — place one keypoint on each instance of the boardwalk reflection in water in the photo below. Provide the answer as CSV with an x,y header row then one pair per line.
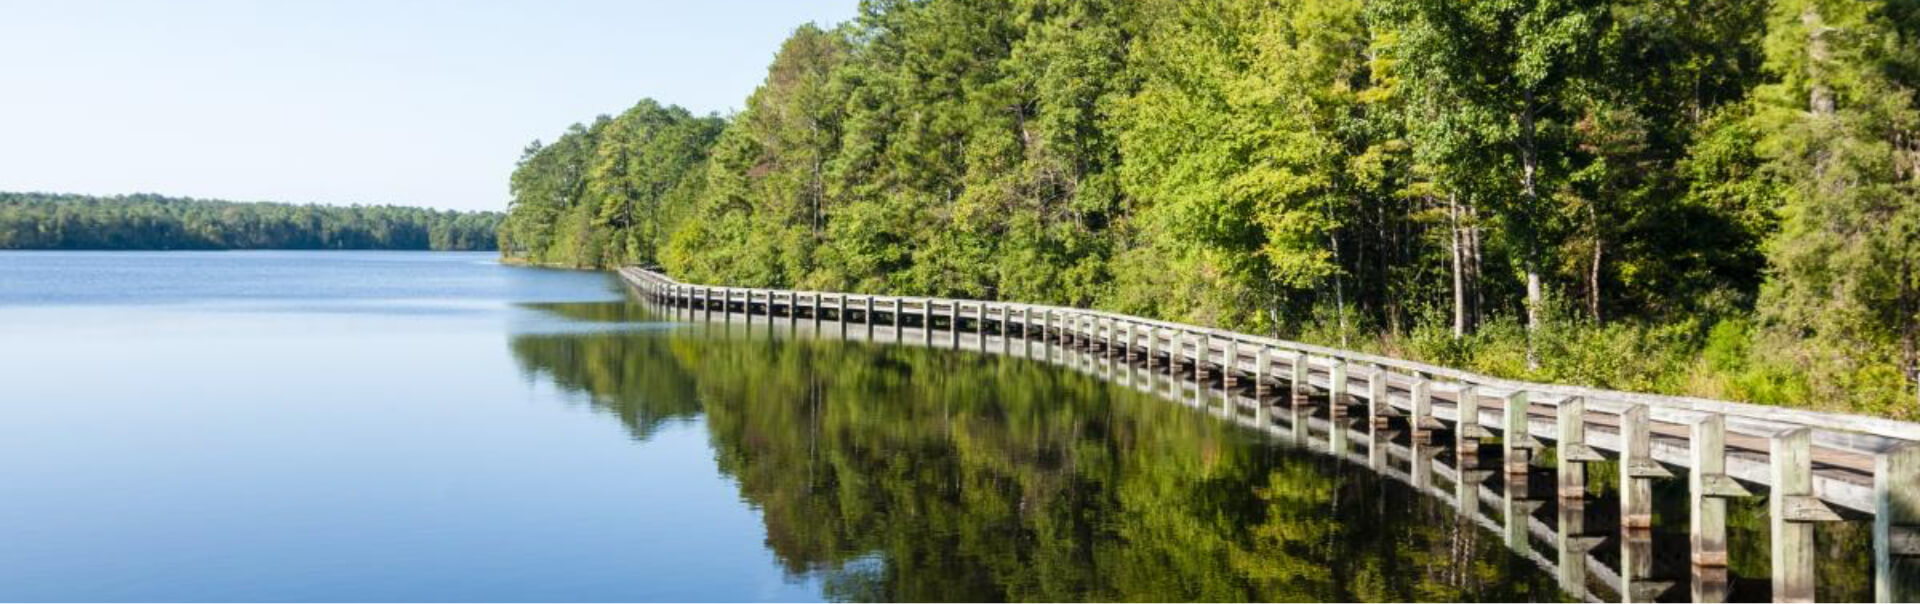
x,y
908,473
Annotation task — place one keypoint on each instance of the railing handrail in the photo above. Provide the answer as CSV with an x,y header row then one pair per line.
x,y
1854,432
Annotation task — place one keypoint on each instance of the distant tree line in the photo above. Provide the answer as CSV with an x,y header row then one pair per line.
x,y
1717,197
39,221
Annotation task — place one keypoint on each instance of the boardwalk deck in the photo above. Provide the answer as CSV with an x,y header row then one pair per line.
x,y
1860,464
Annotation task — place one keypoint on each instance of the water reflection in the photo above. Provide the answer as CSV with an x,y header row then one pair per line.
x,y
906,473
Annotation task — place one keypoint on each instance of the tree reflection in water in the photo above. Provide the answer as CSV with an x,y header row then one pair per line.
x,y
903,473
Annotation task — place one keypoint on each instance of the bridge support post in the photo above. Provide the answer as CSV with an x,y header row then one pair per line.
x,y
1337,391
1379,409
1638,469
1467,430
1791,511
1896,525
1517,443
1152,336
1572,451
1298,387
1262,362
1423,421
1201,345
866,316
1708,486
1229,358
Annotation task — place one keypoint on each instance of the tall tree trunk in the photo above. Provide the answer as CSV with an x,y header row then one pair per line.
x,y
1459,268
1474,265
1593,269
1339,290
1530,198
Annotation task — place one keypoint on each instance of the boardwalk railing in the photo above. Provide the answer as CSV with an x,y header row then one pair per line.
x,y
1808,462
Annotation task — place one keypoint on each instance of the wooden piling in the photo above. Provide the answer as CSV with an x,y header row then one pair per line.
x,y
1262,360
1638,469
1708,487
1423,421
1337,390
1201,344
1229,357
1467,430
1572,451
1517,444
1299,387
1378,407
1896,525
1791,511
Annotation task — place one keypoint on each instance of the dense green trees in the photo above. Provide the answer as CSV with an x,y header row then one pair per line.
x,y
610,193
151,222
1717,197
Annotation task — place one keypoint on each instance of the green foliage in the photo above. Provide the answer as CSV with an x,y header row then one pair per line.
x,y
1356,172
39,221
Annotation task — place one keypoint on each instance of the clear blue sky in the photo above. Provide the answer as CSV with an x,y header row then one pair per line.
x,y
419,103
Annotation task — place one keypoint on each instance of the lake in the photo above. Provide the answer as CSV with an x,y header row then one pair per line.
x,y
437,426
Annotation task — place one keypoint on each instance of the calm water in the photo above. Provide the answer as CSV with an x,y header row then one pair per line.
x,y
411,426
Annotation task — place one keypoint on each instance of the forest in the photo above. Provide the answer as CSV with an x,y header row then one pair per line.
x,y
1708,197
38,221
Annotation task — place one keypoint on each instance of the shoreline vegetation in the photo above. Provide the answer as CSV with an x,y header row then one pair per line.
x,y
1718,198
48,221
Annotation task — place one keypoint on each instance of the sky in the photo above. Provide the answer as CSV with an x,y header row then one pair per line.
x,y
412,103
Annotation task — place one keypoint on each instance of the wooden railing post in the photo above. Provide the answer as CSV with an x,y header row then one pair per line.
x,y
1298,388
1467,430
1423,421
1517,444
1638,469
1572,451
1896,525
1201,344
1791,511
1337,390
1379,409
1229,357
1708,486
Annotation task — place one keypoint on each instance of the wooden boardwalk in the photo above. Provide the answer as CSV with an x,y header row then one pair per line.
x,y
1813,466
